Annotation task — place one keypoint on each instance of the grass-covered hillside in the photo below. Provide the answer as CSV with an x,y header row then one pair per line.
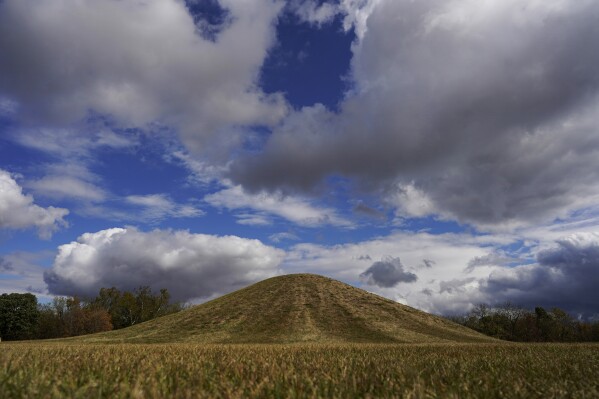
x,y
295,308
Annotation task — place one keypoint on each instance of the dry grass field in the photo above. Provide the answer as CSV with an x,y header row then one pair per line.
x,y
296,336
59,370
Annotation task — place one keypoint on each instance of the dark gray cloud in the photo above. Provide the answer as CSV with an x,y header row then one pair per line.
x,y
566,276
492,117
188,265
388,273
428,263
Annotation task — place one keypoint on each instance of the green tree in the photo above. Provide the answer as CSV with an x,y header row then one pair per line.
x,y
108,299
18,316
49,324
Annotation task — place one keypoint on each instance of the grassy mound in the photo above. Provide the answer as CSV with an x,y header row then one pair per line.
x,y
295,308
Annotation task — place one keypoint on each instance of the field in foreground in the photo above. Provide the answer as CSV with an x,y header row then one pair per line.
x,y
56,370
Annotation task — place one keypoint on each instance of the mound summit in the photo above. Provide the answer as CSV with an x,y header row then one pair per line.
x,y
295,308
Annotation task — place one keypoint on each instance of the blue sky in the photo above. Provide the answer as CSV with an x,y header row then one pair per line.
x,y
438,153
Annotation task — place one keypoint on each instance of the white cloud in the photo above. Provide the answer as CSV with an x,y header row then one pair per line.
x,y
283,236
295,209
71,143
202,173
409,201
160,206
69,176
253,219
139,62
61,187
18,211
188,265
356,14
312,12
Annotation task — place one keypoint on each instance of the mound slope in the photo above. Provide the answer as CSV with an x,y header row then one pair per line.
x,y
295,308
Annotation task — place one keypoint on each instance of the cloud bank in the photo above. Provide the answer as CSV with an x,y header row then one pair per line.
x,y
450,273
484,112
188,265
566,276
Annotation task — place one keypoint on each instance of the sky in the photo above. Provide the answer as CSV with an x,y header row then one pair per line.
x,y
440,153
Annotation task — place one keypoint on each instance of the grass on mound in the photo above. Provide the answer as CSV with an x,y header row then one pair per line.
x,y
58,370
295,308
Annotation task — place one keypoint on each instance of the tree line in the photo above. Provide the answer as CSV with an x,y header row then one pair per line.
x,y
515,323
22,317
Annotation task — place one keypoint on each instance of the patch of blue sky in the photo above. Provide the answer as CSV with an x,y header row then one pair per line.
x,y
4,276
520,251
310,63
27,242
140,172
209,16
16,158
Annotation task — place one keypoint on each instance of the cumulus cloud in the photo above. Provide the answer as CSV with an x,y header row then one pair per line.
x,y
18,210
566,276
188,265
139,62
388,273
480,111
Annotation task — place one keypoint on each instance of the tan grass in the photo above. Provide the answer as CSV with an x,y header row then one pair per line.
x,y
59,370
